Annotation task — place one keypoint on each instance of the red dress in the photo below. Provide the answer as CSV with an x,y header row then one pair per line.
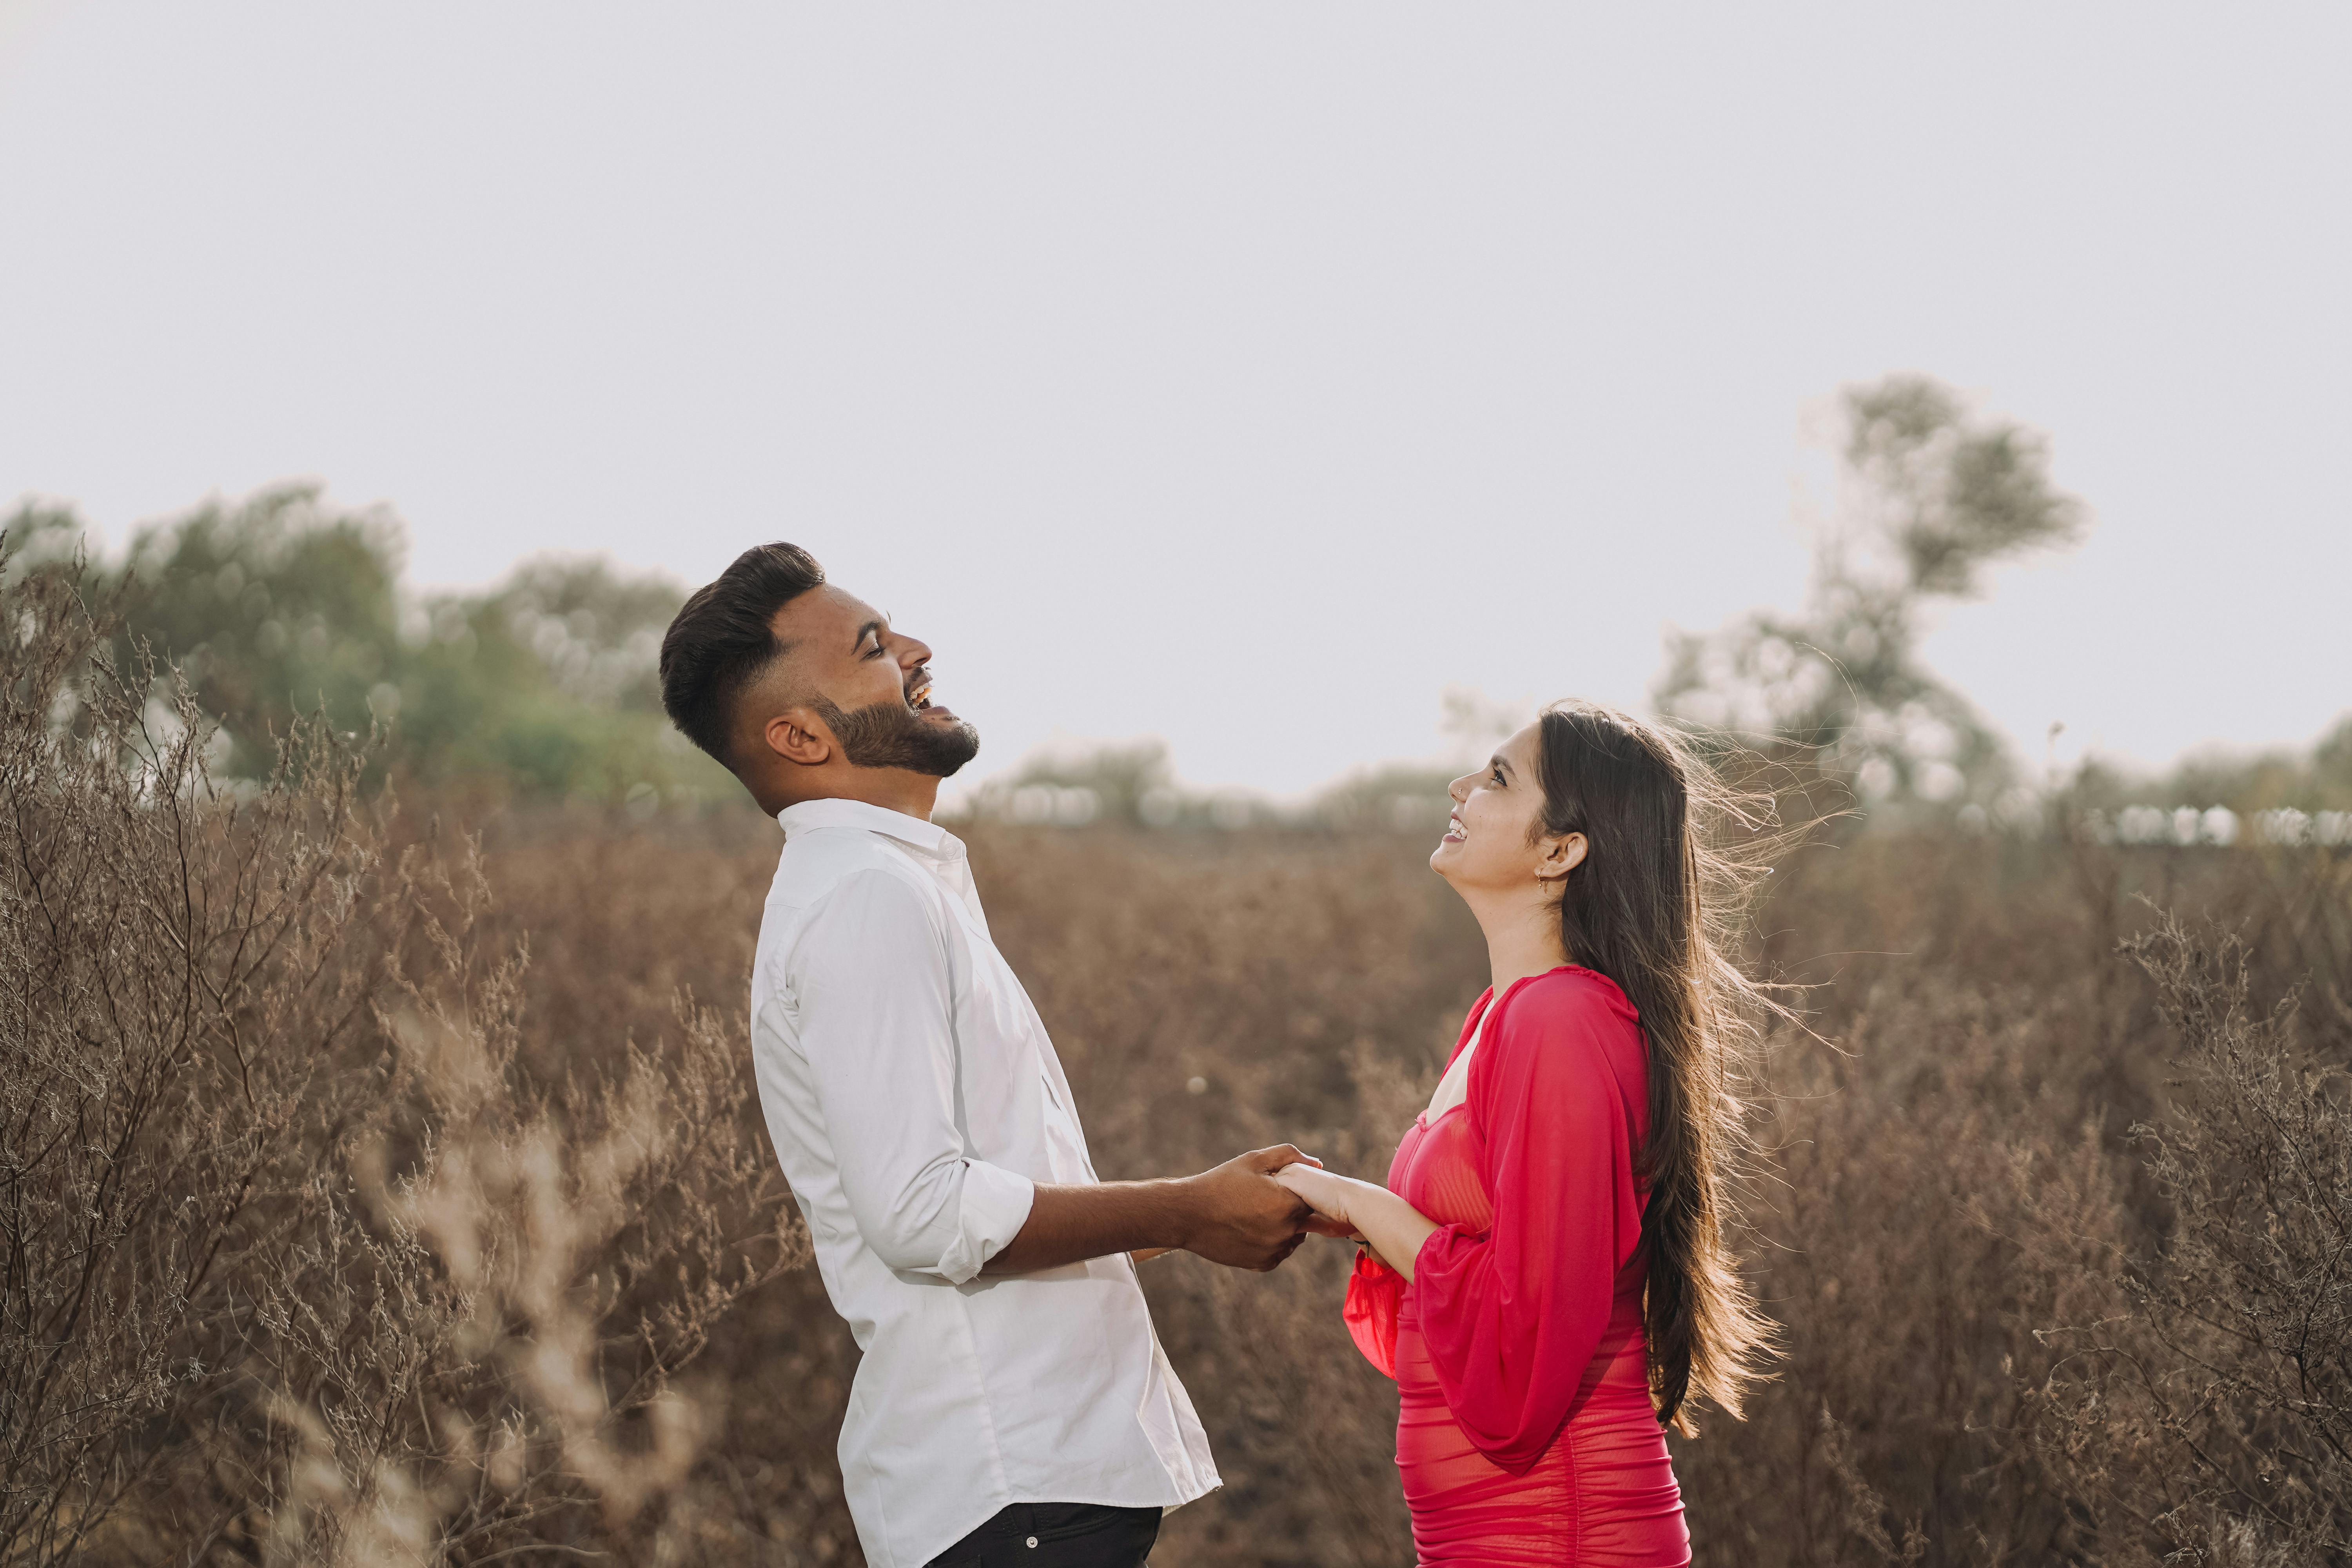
x,y
1526,1432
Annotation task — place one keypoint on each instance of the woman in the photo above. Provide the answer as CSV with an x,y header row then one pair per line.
x,y
1544,1274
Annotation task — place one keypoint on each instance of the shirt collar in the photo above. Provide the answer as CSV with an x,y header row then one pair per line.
x,y
912,831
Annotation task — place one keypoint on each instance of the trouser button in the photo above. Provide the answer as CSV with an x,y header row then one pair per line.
x,y
1032,1542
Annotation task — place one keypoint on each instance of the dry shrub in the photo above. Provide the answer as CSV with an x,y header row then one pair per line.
x,y
1958,1175
181,1014
2206,1415
1909,1158
543,1259
300,1264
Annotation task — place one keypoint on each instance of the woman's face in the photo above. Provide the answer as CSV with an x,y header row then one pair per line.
x,y
1490,842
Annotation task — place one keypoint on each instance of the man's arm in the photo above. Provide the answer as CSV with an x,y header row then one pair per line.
x,y
1236,1215
877,1036
878,1033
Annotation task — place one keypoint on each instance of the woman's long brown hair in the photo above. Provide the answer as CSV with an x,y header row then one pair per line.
x,y
1671,858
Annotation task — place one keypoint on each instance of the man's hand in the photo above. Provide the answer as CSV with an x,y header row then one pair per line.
x,y
1236,1215
1243,1217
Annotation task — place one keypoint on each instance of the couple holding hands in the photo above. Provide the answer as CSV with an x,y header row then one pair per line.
x,y
1544,1274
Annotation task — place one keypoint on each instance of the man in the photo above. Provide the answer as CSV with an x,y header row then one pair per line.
x,y
1013,1404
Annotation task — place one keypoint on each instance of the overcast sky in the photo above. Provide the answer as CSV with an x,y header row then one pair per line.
x,y
1243,374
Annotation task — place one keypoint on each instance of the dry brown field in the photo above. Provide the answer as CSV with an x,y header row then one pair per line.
x,y
383,1182
1953,1181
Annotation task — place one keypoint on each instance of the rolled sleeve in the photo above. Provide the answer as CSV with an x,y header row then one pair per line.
x,y
989,1212
877,1027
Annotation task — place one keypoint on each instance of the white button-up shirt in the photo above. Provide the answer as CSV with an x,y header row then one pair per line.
x,y
914,1099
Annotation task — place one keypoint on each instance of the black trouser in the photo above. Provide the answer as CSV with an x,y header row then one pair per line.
x,y
1057,1535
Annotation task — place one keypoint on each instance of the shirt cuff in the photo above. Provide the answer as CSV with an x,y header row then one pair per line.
x,y
989,1212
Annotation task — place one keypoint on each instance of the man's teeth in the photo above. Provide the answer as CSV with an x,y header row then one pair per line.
x,y
920,697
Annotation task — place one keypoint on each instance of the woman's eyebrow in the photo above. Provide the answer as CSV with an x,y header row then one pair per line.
x,y
1497,763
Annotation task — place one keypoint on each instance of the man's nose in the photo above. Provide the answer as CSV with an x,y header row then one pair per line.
x,y
914,653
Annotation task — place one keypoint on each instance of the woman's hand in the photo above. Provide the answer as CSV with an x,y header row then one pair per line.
x,y
1359,1211
1324,1193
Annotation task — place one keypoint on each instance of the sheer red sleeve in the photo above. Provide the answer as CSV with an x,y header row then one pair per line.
x,y
1375,1291
1513,1317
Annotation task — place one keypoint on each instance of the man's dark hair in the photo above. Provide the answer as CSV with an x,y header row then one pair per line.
x,y
723,639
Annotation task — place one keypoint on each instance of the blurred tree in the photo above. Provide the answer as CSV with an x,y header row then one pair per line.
x,y
282,604
1931,493
275,606
1130,783
548,679
2318,780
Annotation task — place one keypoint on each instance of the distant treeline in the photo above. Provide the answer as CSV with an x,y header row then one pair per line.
x,y
543,687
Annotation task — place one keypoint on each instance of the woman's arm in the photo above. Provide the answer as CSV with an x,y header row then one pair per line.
x,y
1512,1316
1390,1227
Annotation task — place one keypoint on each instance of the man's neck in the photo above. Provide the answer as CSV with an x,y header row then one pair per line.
x,y
893,789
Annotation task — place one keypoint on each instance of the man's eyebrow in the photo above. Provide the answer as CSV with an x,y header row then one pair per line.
x,y
878,626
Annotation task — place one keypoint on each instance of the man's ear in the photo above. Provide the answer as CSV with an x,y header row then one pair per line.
x,y
798,735
1560,856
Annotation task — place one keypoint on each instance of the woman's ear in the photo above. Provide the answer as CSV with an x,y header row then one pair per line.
x,y
1560,856
798,736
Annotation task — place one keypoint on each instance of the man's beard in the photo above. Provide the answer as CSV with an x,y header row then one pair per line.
x,y
889,735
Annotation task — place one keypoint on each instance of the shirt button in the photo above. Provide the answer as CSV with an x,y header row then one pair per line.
x,y
1032,1542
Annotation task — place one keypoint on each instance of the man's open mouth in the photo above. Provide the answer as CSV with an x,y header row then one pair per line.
x,y
919,695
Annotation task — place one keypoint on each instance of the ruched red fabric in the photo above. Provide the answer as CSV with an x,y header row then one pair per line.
x,y
1526,1432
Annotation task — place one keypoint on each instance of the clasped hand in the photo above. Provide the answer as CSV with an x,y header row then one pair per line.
x,y
1253,1211
1391,1227
1326,1194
